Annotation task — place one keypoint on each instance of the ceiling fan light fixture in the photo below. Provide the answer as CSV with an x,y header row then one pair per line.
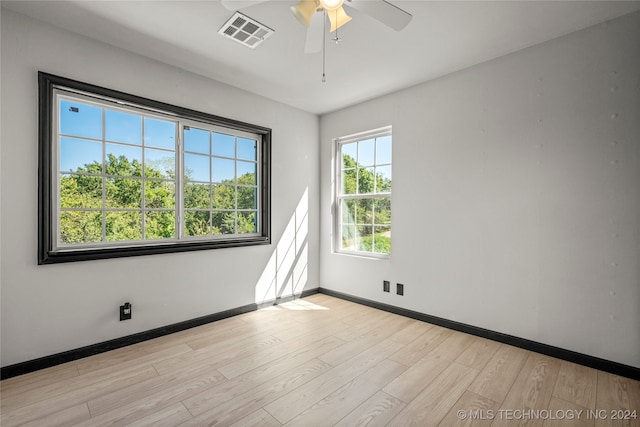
x,y
338,18
304,10
331,4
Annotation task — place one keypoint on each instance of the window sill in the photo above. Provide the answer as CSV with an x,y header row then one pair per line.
x,y
51,257
364,255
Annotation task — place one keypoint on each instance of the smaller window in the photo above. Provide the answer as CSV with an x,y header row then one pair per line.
x,y
363,193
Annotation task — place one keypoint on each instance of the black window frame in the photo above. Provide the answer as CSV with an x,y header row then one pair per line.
x,y
47,83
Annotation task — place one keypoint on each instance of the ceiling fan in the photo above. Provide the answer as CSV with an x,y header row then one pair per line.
x,y
311,14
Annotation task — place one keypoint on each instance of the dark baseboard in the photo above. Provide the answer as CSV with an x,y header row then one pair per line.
x,y
90,350
548,350
560,353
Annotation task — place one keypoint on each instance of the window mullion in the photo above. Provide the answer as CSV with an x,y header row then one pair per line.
x,y
235,185
143,187
211,183
357,167
178,181
365,196
104,178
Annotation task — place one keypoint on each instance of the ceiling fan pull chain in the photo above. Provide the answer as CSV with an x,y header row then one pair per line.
x,y
324,51
337,39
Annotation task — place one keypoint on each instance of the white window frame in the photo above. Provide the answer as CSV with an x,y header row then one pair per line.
x,y
340,197
63,94
237,134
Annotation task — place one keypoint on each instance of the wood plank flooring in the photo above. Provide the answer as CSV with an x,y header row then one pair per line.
x,y
319,361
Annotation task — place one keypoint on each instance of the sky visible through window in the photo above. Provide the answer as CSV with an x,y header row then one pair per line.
x,y
82,132
79,121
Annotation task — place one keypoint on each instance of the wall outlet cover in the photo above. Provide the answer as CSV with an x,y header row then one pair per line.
x,y
125,311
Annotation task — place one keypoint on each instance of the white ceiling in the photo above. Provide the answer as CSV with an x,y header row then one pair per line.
x,y
372,60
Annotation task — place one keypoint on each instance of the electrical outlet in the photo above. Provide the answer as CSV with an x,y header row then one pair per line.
x,y
125,311
399,289
386,286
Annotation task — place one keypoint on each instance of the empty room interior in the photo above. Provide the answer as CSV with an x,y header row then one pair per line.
x,y
320,213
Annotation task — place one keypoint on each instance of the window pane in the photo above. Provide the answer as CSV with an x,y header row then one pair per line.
x,y
160,225
223,170
348,211
247,149
224,197
247,222
196,167
247,197
349,181
124,226
224,145
223,223
80,191
366,150
365,180
123,160
197,140
382,211
78,119
197,196
159,194
382,240
159,164
123,127
364,239
383,179
196,223
80,155
349,237
383,150
349,155
364,211
124,193
159,133
246,173
80,227
365,169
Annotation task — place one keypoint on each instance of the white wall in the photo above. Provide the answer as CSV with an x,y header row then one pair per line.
x,y
516,199
53,308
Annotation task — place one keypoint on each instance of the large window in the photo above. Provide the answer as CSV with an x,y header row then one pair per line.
x,y
122,175
363,193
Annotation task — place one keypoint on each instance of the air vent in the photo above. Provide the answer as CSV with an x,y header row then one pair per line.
x,y
245,30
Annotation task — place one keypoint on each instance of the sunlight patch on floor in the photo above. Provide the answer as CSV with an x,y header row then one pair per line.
x,y
301,305
271,308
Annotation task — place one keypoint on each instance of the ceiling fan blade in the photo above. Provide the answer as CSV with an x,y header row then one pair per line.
x,y
315,37
383,11
240,4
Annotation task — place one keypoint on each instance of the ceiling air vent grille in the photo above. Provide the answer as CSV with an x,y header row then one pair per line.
x,y
245,30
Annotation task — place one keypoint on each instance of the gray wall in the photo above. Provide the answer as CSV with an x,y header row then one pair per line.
x,y
53,308
516,200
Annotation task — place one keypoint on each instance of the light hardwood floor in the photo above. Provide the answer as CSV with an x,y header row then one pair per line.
x,y
319,361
